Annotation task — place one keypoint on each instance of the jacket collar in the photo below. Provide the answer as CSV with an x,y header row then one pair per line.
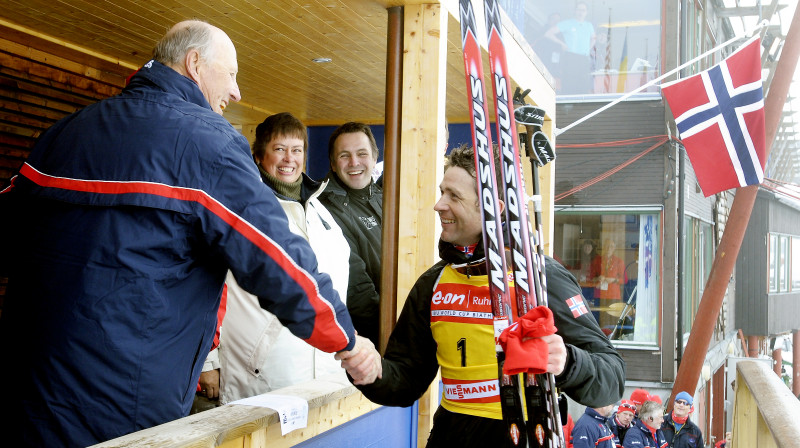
x,y
336,186
595,415
168,80
308,187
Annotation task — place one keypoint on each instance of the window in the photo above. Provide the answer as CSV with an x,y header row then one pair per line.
x,y
698,256
783,264
615,256
780,263
592,46
772,256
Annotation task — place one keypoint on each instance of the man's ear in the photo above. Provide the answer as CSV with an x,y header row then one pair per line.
x,y
191,63
502,206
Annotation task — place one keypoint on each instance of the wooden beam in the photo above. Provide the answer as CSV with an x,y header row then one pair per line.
x,y
11,105
25,97
45,91
53,76
17,141
35,123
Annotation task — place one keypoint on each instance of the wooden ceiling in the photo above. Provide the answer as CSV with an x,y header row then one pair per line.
x,y
276,42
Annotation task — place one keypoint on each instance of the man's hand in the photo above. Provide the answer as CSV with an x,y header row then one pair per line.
x,y
363,362
209,384
556,354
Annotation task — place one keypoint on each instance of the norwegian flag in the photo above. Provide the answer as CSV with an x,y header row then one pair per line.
x,y
720,116
577,306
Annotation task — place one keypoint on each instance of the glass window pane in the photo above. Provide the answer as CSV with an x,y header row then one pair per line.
x,y
783,264
687,272
615,258
773,263
592,46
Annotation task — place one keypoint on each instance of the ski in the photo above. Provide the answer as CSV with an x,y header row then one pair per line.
x,y
494,249
543,420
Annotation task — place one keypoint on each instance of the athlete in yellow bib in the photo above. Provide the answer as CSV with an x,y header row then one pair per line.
x,y
447,322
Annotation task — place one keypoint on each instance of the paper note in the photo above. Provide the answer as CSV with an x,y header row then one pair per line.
x,y
293,411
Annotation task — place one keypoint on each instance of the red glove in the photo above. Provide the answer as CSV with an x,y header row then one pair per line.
x,y
525,352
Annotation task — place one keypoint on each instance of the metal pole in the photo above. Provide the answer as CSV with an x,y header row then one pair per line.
x,y
391,174
725,259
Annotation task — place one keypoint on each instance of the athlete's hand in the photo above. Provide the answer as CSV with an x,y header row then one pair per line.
x,y
363,362
556,354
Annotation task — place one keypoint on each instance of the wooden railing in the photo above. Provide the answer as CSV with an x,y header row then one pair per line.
x,y
766,414
332,401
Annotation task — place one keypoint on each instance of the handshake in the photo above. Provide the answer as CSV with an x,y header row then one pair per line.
x,y
362,363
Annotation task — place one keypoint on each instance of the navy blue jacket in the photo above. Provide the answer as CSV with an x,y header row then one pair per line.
x,y
639,436
126,217
591,430
689,436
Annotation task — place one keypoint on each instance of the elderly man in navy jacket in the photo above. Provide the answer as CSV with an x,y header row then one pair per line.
x,y
126,218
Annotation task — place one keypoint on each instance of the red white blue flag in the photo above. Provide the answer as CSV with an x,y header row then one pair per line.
x,y
577,306
720,116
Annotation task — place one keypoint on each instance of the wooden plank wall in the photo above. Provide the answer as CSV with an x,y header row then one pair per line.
x,y
751,271
40,83
696,204
641,183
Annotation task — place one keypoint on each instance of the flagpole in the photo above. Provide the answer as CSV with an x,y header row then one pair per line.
x,y
725,258
559,131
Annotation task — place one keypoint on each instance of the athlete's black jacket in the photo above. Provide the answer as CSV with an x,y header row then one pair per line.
x,y
594,374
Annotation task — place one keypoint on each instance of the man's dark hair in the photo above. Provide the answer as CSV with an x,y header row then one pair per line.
x,y
281,124
350,128
464,158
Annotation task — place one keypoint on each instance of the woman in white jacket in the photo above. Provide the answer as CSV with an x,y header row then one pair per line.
x,y
257,354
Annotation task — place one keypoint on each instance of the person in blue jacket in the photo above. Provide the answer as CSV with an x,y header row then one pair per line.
x,y
646,430
591,430
126,217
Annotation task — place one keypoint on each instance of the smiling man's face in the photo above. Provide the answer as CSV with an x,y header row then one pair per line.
x,y
353,159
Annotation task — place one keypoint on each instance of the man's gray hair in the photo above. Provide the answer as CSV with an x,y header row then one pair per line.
x,y
193,34
650,409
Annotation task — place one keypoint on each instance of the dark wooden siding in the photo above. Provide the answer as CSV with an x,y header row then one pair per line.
x,y
641,183
40,83
641,365
751,273
783,309
695,203
757,311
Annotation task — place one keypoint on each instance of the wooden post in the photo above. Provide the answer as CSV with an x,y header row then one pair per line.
x,y
391,173
422,159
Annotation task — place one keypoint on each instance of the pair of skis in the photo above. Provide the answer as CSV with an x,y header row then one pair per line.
x,y
543,426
